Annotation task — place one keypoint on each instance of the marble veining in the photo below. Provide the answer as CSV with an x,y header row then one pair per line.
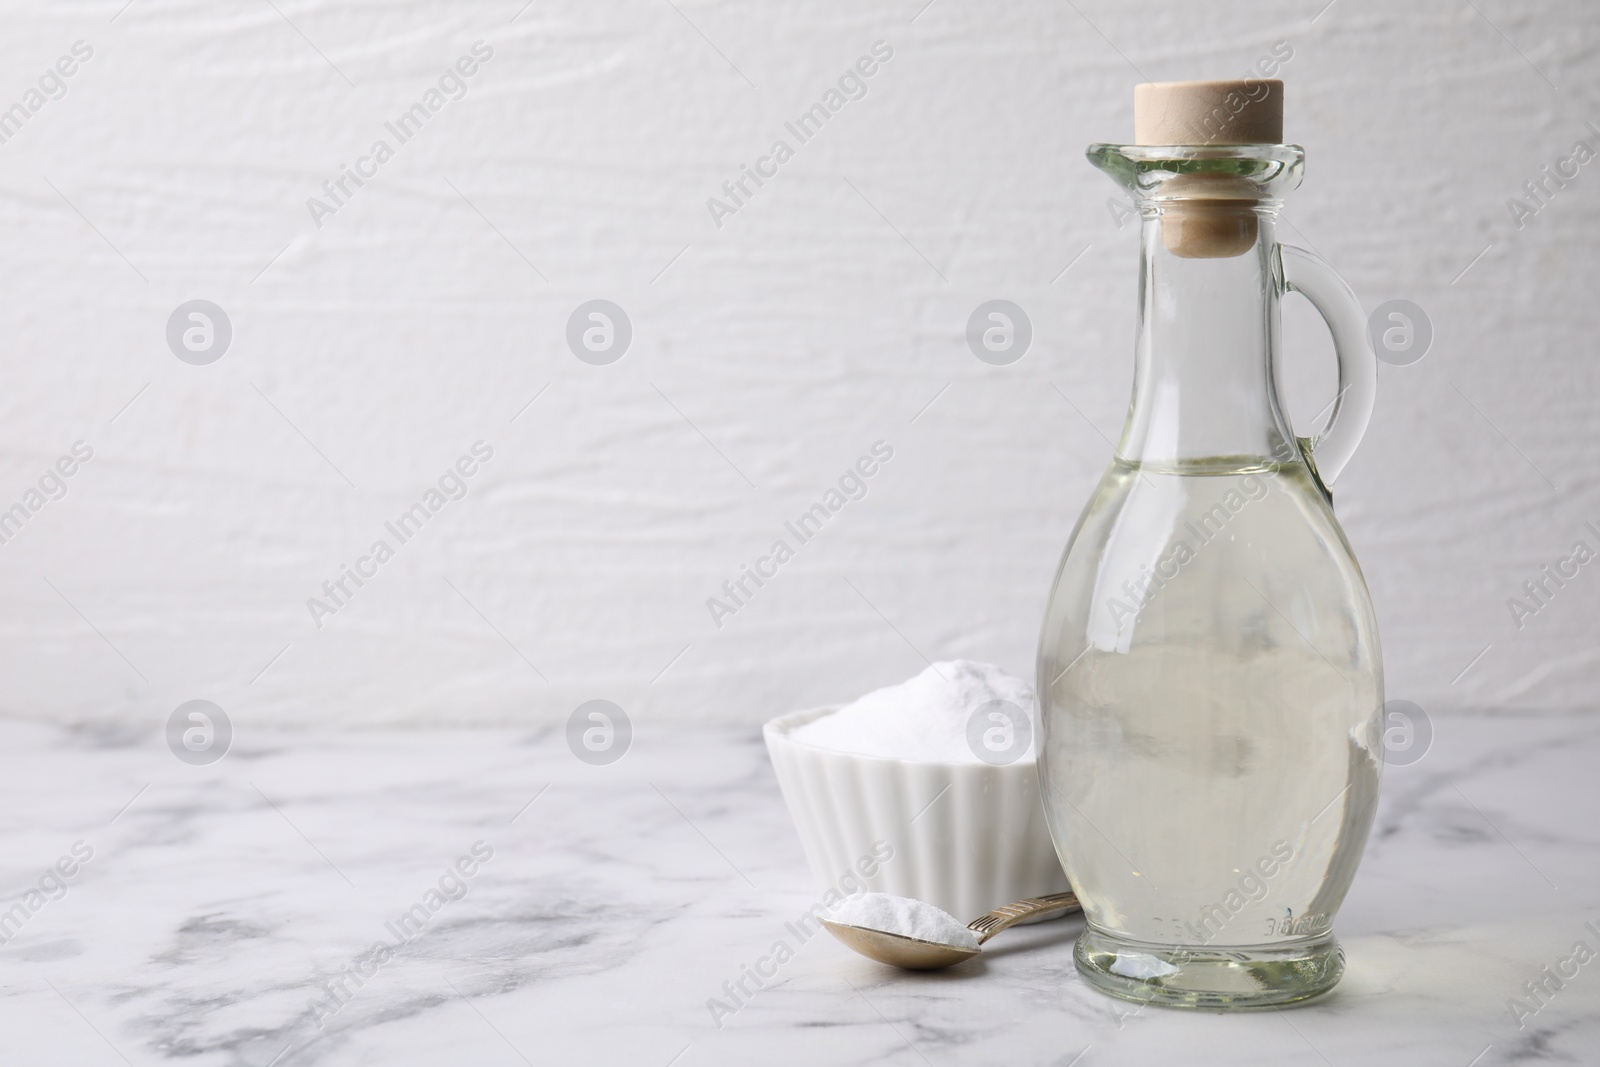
x,y
618,903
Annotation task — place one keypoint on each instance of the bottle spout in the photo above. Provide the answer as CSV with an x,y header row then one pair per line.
x,y
1207,156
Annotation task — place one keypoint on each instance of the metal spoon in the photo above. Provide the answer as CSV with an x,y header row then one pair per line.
x,y
915,954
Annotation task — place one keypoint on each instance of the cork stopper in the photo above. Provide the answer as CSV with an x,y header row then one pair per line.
x,y
1208,216
1248,111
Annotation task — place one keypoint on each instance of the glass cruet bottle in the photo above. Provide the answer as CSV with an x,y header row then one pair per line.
x,y
1209,679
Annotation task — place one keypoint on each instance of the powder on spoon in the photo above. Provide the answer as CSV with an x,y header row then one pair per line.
x,y
903,916
925,719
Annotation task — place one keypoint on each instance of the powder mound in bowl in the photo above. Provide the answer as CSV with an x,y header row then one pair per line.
x,y
923,720
903,916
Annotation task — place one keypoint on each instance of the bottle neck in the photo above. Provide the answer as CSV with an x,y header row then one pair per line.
x,y
1203,387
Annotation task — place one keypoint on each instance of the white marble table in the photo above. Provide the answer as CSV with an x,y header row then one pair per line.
x,y
216,906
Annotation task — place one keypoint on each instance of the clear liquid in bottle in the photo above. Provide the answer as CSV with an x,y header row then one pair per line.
x,y
1210,736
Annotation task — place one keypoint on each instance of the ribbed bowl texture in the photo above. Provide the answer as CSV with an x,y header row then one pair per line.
x,y
967,837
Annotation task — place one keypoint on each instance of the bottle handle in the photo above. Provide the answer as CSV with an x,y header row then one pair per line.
x,y
1314,278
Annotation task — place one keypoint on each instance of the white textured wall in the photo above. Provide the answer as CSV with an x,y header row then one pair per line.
x,y
766,358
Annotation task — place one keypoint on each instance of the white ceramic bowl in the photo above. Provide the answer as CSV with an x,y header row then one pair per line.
x,y
967,837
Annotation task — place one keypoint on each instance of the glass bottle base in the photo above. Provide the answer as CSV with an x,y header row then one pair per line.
x,y
1209,979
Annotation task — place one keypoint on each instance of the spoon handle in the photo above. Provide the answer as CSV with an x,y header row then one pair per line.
x,y
986,926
